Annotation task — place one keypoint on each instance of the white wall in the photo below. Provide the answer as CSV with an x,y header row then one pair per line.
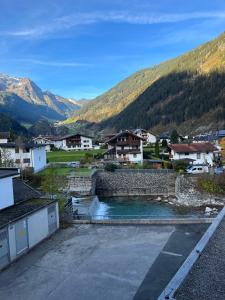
x,y
37,226
3,141
39,160
204,158
85,144
6,192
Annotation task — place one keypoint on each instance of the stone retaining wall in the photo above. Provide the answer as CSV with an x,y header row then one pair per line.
x,y
135,182
187,193
82,185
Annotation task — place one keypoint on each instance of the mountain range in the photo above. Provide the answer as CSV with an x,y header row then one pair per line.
x,y
187,92
23,100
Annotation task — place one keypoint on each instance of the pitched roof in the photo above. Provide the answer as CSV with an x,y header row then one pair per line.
x,y
8,172
192,148
23,145
4,135
123,133
23,192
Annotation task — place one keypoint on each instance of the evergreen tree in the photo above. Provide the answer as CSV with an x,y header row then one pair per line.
x,y
174,137
157,149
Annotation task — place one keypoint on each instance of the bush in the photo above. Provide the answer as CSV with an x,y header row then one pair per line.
x,y
180,166
110,167
212,184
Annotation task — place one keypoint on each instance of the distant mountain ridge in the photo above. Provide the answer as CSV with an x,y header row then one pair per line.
x,y
23,100
186,92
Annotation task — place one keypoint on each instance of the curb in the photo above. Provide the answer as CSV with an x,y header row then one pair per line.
x,y
145,221
177,280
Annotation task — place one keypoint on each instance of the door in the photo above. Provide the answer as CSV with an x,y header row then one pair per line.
x,y
21,236
52,220
4,248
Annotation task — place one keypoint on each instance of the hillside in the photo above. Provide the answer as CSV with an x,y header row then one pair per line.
x,y
9,125
23,100
188,90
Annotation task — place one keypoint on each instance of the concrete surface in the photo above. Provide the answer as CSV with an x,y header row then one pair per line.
x,y
206,279
88,262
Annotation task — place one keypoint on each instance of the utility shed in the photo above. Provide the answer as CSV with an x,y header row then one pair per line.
x,y
24,225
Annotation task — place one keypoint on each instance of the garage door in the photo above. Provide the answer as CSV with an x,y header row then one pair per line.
x,y
21,236
52,220
4,248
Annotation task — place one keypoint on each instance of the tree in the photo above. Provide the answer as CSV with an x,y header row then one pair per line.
x,y
157,149
5,158
174,137
53,184
164,144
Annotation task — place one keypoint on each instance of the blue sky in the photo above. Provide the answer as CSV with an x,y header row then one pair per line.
x,y
81,48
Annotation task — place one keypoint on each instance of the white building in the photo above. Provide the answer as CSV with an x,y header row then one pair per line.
x,y
125,147
148,138
24,155
4,137
25,224
49,142
198,153
76,142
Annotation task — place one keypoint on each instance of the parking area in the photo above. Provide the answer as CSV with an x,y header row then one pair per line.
x,y
100,262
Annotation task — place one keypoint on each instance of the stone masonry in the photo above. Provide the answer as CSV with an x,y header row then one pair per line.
x,y
135,182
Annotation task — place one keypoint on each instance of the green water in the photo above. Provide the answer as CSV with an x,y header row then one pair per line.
x,y
142,207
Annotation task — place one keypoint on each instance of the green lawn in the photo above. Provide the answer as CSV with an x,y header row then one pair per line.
x,y
64,171
67,156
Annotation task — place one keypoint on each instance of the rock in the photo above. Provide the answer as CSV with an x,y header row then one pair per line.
x,y
207,214
166,201
158,199
215,209
208,210
171,203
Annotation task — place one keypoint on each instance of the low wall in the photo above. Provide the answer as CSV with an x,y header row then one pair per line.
x,y
135,182
82,185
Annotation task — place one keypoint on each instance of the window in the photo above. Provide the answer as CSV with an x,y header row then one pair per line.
x,y
26,160
198,155
135,155
17,161
186,154
17,150
26,150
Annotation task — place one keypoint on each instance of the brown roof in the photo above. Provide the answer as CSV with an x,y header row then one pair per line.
x,y
192,148
122,134
4,135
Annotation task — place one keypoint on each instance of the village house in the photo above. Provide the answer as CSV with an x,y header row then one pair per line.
x,y
148,138
23,155
49,141
4,137
197,153
125,147
67,143
76,142
25,218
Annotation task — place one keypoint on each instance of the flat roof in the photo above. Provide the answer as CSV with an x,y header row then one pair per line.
x,y
8,172
16,212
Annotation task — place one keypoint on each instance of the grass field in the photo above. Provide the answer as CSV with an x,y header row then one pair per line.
x,y
67,156
64,171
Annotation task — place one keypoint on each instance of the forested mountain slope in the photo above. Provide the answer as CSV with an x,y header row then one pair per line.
x,y
189,88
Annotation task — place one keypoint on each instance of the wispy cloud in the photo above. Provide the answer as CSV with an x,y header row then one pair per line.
x,y
53,63
79,19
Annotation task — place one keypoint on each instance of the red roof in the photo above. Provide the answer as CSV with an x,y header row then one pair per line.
x,y
191,148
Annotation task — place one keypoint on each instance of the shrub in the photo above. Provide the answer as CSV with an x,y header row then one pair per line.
x,y
212,184
110,167
180,165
